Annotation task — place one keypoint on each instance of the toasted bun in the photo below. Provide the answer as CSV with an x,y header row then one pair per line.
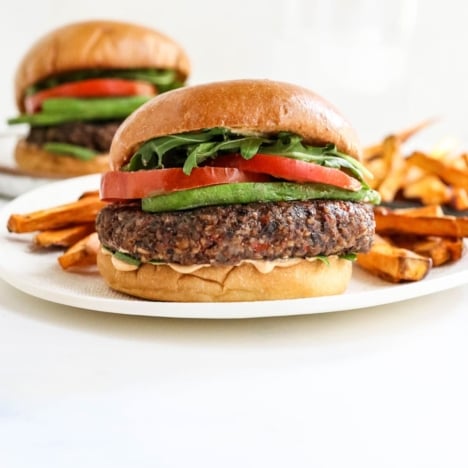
x,y
98,44
229,283
262,106
33,160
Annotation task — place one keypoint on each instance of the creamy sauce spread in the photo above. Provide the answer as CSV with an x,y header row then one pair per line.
x,y
263,266
119,264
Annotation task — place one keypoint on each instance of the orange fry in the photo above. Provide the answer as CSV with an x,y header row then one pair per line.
x,y
459,199
78,212
446,226
429,189
82,254
394,264
406,134
402,136
449,174
440,249
426,210
63,237
90,193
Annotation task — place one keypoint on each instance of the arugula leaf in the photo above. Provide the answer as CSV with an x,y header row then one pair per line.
x,y
347,256
124,257
248,147
189,150
150,155
291,146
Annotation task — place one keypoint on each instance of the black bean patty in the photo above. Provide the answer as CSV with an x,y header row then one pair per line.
x,y
93,135
220,235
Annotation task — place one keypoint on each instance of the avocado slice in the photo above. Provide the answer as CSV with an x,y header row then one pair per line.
x,y
249,192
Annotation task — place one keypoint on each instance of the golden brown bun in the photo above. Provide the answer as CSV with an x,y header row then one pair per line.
x,y
98,44
229,283
247,105
33,160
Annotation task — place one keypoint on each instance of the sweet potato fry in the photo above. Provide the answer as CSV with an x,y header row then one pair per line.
x,y
378,169
65,237
446,226
393,263
372,152
407,133
89,194
440,249
402,136
395,169
464,156
426,210
449,174
78,212
82,254
459,199
429,189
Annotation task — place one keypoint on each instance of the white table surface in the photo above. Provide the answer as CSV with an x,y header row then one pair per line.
x,y
379,387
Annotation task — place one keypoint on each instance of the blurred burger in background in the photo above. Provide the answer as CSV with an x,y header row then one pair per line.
x,y
76,85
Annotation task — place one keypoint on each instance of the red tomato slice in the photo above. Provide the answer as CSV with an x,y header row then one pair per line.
x,y
120,185
290,169
96,87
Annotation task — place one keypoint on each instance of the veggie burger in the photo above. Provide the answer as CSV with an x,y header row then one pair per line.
x,y
76,85
234,191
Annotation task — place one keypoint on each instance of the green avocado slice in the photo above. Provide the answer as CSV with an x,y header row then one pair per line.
x,y
249,192
59,110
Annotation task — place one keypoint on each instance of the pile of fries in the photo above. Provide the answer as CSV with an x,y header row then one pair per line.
x,y
439,177
410,241
70,226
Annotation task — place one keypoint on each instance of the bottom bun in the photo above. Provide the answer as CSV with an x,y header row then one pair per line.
x,y
34,160
229,283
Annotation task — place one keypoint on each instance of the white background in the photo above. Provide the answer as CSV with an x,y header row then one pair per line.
x,y
386,65
383,387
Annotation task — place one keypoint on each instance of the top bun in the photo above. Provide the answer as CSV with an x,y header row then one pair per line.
x,y
260,106
98,44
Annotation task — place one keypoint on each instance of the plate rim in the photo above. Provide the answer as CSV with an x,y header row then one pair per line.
x,y
385,293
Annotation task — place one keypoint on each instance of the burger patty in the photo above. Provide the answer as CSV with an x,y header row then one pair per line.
x,y
93,135
225,235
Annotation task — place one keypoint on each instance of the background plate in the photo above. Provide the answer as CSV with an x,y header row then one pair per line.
x,y
12,182
39,274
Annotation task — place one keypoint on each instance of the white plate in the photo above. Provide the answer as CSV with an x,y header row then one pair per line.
x,y
12,182
39,274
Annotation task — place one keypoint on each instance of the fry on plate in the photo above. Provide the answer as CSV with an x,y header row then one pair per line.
x,y
394,264
69,214
64,237
70,226
439,176
409,242
81,254
390,222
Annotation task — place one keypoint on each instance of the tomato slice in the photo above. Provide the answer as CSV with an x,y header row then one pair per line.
x,y
290,169
96,87
120,185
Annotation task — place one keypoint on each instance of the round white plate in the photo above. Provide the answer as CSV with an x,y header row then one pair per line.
x,y
12,182
39,274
